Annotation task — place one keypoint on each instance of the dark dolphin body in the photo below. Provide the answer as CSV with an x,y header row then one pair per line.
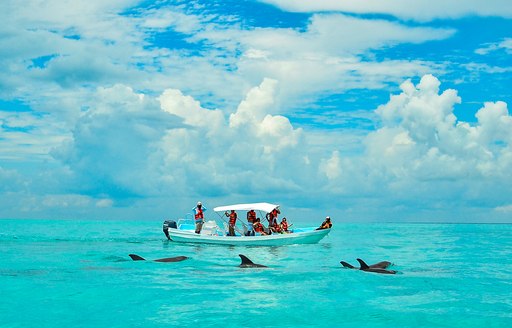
x,y
377,267
366,267
380,265
246,263
167,259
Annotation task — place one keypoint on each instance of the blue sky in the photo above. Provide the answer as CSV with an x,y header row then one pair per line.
x,y
365,111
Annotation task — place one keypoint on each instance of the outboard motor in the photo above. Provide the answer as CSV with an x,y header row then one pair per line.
x,y
169,224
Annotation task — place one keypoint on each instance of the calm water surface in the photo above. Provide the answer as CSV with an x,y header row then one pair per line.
x,y
78,274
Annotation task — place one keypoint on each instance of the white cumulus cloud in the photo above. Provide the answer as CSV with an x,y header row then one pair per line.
x,y
114,146
242,154
423,157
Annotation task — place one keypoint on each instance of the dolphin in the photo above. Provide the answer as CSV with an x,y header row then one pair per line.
x,y
380,265
167,259
366,268
376,268
246,263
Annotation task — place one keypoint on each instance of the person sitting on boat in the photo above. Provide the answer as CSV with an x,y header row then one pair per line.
x,y
326,224
284,226
251,219
272,217
276,228
259,228
232,221
199,216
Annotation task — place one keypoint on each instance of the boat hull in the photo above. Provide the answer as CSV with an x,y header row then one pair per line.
x,y
303,237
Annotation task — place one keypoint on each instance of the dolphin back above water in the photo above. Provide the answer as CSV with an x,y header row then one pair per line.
x,y
136,257
367,268
380,265
376,268
247,263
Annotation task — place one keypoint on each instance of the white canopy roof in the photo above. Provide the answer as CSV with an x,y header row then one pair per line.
x,y
266,207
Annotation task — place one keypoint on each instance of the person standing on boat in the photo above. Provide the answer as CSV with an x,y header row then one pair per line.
x,y
199,216
232,221
272,217
251,219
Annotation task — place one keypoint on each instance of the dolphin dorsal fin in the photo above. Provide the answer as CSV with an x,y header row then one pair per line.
x,y
363,264
347,265
136,257
245,259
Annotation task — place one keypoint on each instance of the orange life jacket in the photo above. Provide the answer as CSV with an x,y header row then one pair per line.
x,y
199,214
258,227
251,216
272,217
232,218
284,225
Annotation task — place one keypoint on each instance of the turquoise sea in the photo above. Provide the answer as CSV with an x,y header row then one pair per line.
x,y
72,273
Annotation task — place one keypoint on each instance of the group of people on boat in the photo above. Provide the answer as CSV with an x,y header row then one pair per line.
x,y
254,225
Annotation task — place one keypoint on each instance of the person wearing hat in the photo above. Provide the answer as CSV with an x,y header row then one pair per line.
x,y
199,216
326,224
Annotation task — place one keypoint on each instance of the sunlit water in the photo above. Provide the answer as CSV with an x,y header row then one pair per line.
x,y
78,274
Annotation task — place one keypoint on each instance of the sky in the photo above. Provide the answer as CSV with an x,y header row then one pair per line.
x,y
374,111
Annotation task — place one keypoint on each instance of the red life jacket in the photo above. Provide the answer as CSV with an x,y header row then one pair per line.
x,y
284,225
232,218
199,214
272,217
251,216
258,227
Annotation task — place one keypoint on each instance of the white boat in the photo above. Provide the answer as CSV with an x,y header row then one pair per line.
x,y
184,230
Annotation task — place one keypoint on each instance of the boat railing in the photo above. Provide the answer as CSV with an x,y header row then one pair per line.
x,y
211,228
187,222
